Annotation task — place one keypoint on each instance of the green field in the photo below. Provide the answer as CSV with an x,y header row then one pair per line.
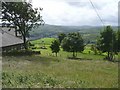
x,y
46,70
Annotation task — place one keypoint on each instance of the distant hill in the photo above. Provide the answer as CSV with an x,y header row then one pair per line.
x,y
88,32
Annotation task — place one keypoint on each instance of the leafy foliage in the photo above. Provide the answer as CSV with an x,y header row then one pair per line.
x,y
55,46
107,42
61,36
73,43
21,16
118,41
94,49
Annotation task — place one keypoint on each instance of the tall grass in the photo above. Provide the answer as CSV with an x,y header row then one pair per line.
x,y
47,71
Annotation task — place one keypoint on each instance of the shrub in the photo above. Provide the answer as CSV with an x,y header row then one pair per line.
x,y
20,53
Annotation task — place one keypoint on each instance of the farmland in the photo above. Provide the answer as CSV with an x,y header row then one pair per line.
x,y
48,71
59,44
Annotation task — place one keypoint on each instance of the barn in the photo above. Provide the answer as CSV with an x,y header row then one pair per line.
x,y
9,40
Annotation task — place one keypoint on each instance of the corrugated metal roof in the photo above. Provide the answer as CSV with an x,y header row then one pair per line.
x,y
9,39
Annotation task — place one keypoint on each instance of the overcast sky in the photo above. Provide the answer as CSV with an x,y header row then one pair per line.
x,y
78,12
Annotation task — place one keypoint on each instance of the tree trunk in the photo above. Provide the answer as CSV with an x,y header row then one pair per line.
x,y
15,31
25,43
108,57
76,53
56,54
111,56
73,54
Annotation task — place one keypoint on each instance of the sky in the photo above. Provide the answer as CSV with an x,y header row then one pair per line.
x,y
78,12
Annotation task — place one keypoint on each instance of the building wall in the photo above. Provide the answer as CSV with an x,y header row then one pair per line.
x,y
12,47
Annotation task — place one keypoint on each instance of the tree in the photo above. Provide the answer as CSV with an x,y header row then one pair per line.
x,y
61,36
73,42
22,17
107,42
93,48
118,40
55,47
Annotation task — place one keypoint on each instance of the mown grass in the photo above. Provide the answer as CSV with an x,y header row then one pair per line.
x,y
41,41
48,71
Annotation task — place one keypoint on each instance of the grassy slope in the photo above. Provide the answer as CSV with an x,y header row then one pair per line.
x,y
38,71
46,70
47,41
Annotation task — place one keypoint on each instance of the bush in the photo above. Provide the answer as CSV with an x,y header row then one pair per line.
x,y
20,53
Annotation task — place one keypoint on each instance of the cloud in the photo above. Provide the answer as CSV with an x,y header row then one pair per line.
x,y
78,12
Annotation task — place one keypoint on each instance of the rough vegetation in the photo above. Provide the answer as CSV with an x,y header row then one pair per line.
x,y
48,71
37,67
